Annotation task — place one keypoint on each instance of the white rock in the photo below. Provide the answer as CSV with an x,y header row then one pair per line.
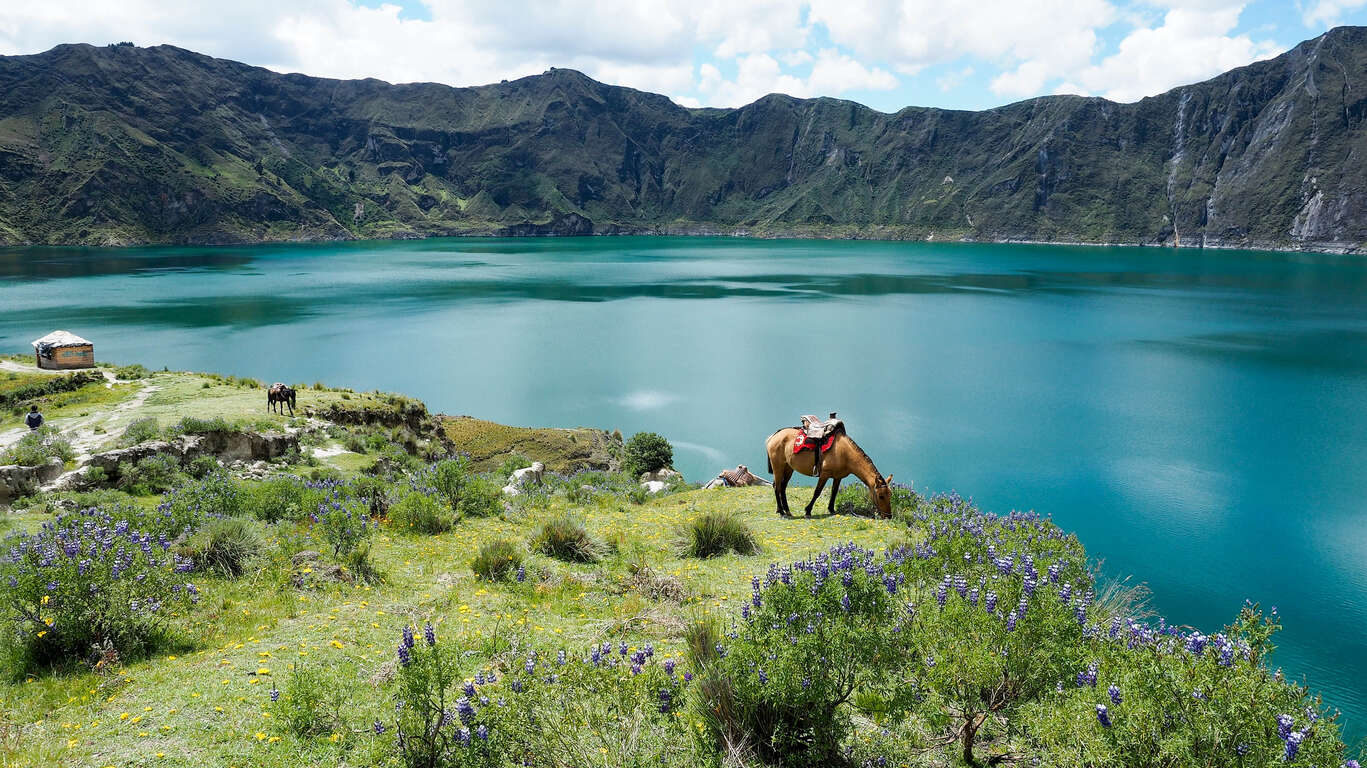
x,y
659,475
532,474
511,490
653,486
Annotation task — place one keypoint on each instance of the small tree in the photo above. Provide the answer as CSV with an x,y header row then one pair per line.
x,y
646,452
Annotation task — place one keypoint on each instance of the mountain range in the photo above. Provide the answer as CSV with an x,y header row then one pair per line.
x,y
123,145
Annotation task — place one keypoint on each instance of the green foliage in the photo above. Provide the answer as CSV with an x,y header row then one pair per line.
x,y
116,598
481,497
418,512
854,499
131,372
140,431
201,466
191,425
282,498
313,703
511,464
37,448
154,474
224,546
646,452
497,560
717,533
1182,699
810,638
449,478
214,494
565,538
23,388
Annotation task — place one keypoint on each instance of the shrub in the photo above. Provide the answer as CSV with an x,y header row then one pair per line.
x,y
812,635
717,533
191,425
646,452
224,546
131,372
419,512
140,431
511,464
482,497
37,447
282,498
566,539
497,560
215,494
565,709
97,578
1158,695
854,499
201,466
312,703
154,474
449,478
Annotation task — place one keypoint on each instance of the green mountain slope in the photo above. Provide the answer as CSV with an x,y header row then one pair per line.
x,y
123,145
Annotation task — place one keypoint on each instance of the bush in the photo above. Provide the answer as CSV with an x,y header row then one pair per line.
x,y
567,539
565,709
811,636
717,533
214,495
1151,696
646,452
282,498
191,425
419,512
131,372
93,581
140,431
449,478
202,466
224,547
154,474
854,499
511,464
37,447
482,497
497,560
312,703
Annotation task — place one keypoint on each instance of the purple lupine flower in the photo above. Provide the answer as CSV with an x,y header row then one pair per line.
x,y
275,694
405,658
1293,744
379,728
408,637
669,666
1284,724
482,732
1114,691
463,736
429,634
530,666
465,710
1102,716
1196,643
469,689
1351,764
990,602
1011,621
763,678
521,574
845,601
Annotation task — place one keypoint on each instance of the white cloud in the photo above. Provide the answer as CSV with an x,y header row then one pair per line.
x,y
1190,45
1328,13
712,52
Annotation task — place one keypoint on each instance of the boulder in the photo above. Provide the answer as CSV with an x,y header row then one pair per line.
x,y
521,478
232,448
659,476
653,486
16,481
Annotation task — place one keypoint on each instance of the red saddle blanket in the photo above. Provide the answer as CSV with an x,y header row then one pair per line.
x,y
804,443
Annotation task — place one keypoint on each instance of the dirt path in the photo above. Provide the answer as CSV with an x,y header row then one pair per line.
x,y
82,431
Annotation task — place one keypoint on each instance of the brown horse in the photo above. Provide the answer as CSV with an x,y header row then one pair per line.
x,y
279,396
844,458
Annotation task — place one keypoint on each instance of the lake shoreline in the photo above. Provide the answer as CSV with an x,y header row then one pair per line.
x,y
531,230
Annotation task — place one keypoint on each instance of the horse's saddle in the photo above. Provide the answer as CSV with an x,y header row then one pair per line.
x,y
820,435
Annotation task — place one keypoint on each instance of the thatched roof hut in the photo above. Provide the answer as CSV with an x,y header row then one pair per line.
x,y
63,349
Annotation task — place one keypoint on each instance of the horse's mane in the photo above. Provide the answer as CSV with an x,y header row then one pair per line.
x,y
856,447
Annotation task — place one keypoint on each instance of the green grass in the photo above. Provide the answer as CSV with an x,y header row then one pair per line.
x,y
205,706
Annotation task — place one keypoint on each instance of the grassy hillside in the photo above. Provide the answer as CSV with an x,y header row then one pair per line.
x,y
122,145
936,637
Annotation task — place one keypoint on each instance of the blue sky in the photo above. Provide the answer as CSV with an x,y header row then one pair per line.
x,y
965,54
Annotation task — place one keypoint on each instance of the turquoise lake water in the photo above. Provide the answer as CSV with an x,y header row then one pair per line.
x,y
1198,418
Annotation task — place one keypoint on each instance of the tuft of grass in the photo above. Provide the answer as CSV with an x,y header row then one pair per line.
x,y
421,513
36,448
497,560
224,547
141,431
717,533
565,538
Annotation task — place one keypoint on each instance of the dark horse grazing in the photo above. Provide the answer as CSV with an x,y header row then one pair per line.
x,y
279,396
842,459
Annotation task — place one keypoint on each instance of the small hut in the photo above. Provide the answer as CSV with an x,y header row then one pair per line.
x,y
63,349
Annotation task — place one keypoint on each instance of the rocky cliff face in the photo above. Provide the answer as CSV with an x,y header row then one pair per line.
x,y
126,145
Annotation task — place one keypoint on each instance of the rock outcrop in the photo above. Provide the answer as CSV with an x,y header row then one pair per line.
x,y
16,480
224,446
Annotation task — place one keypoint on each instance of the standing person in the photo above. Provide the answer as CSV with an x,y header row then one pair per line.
x,y
34,419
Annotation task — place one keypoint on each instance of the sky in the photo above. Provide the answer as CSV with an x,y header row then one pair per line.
x,y
958,54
